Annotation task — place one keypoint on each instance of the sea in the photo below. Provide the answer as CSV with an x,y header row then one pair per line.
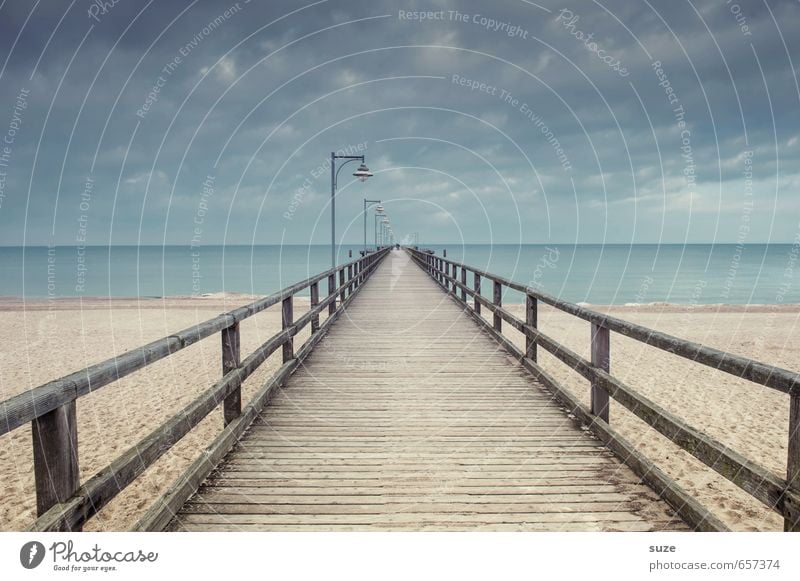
x,y
606,274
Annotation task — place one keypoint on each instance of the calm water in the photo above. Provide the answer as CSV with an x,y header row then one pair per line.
x,y
599,274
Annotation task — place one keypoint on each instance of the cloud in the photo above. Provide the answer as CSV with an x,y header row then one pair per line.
x,y
260,97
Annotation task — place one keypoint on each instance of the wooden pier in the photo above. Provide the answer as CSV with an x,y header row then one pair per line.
x,y
405,410
408,416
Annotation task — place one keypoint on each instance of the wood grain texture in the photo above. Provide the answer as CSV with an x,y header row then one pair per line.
x,y
55,458
231,359
792,516
601,359
532,320
407,417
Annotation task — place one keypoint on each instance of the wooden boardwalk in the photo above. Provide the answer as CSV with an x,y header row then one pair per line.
x,y
408,417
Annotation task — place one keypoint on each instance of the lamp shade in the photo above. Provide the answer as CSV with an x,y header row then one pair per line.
x,y
362,172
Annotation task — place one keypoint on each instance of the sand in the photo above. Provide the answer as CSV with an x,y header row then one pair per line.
x,y
751,419
43,340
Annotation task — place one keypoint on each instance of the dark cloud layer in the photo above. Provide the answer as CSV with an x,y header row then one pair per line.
x,y
150,122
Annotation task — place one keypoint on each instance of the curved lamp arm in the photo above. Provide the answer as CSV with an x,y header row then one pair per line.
x,y
341,165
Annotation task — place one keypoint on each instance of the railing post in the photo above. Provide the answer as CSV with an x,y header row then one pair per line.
x,y
601,359
531,319
477,286
446,276
55,456
314,303
463,284
287,320
331,290
792,523
454,276
498,301
341,285
231,359
350,280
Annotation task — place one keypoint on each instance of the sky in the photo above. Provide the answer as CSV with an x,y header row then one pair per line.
x,y
191,122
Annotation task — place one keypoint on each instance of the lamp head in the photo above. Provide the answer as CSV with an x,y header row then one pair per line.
x,y
362,173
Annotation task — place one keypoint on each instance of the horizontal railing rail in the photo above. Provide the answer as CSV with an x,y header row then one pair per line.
x,y
63,503
780,495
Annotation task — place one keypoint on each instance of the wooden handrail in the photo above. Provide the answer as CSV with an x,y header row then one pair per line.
x,y
782,496
62,502
754,371
33,403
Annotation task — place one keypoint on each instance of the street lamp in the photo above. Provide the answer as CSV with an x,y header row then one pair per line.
x,y
378,214
370,202
384,222
362,173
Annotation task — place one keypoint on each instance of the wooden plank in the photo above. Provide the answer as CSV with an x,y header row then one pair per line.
x,y
381,495
287,320
55,458
792,501
331,293
232,406
430,527
532,320
303,489
247,506
476,281
601,359
498,301
314,302
390,518
350,281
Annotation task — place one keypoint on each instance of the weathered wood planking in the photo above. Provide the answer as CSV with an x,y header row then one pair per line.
x,y
63,505
777,494
407,417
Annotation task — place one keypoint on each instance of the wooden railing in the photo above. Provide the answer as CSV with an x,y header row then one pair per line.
x,y
64,504
779,494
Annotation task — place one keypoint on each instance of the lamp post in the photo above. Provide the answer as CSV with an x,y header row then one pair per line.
x,y
384,225
370,202
378,214
362,173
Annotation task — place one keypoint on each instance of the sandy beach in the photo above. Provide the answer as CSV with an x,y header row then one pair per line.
x,y
44,340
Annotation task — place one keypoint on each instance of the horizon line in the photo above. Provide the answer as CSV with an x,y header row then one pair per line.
x,y
450,244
